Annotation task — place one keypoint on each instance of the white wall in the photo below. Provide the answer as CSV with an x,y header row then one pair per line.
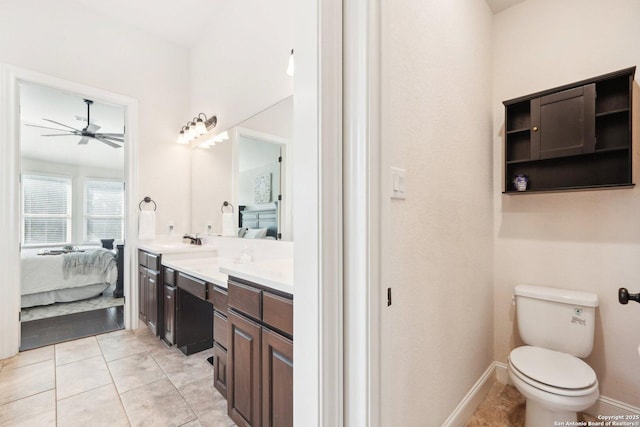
x,y
239,67
436,255
66,40
79,175
580,240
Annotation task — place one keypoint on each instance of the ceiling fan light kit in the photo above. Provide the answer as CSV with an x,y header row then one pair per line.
x,y
90,131
196,127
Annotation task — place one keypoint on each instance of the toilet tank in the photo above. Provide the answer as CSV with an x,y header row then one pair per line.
x,y
556,319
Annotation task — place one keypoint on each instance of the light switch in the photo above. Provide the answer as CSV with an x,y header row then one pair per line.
x,y
398,183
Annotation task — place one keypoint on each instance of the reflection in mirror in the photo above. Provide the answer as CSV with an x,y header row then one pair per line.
x,y
249,170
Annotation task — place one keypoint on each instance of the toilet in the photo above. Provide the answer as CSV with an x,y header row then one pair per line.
x,y
557,326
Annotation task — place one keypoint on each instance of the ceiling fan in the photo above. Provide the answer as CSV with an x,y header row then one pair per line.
x,y
114,140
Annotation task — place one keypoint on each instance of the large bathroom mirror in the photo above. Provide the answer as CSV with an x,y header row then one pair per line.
x,y
248,168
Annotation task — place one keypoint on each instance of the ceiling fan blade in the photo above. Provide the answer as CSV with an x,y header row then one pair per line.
x,y
59,134
61,124
106,141
83,141
45,127
93,128
111,138
119,135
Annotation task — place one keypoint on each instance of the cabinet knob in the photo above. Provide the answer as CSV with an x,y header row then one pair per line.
x,y
535,128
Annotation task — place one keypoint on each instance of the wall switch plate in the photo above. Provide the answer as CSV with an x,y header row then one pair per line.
x,y
398,185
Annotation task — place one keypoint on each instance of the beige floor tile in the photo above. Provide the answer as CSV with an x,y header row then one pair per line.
x,y
38,411
155,345
73,351
194,423
215,418
81,376
135,371
182,370
98,407
26,381
121,346
201,396
29,357
156,404
113,334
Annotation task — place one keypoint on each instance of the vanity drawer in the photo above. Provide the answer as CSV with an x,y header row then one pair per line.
x,y
169,276
153,262
192,285
142,258
220,298
220,329
245,299
277,312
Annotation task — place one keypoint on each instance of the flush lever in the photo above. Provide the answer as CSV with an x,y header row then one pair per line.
x,y
624,296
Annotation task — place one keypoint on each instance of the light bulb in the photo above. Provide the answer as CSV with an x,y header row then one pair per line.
x,y
290,67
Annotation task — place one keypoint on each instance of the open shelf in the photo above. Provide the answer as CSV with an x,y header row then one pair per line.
x,y
570,138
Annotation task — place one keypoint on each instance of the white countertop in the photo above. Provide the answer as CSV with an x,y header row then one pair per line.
x,y
274,274
174,247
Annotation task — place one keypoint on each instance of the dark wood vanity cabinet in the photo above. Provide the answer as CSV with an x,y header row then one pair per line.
x,y
260,355
577,136
219,298
149,288
169,307
194,315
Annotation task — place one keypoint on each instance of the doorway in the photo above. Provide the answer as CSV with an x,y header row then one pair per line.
x,y
11,215
72,214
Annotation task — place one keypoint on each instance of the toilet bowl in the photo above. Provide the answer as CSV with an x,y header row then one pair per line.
x,y
555,384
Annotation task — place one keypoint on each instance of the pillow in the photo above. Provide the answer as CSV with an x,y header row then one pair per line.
x,y
255,233
241,231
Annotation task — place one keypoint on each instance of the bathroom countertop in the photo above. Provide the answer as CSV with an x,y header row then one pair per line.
x,y
274,274
159,247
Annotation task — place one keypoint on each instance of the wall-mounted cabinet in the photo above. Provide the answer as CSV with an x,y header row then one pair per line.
x,y
573,137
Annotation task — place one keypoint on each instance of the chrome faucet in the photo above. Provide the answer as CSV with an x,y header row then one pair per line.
x,y
194,240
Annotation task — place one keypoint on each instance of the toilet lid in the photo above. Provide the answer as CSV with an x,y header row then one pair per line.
x,y
552,368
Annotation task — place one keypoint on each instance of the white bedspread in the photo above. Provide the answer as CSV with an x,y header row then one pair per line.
x,y
42,273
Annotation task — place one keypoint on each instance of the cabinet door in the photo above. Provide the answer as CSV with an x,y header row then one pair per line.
x,y
277,380
142,294
152,301
169,314
220,369
563,123
243,371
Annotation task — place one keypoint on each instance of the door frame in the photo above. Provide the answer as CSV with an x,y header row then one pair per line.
x,y
10,79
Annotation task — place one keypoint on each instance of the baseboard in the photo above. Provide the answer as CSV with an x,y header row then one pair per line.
x,y
472,400
498,371
608,406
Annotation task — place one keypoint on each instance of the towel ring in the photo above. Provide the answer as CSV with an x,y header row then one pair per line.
x,y
147,199
225,204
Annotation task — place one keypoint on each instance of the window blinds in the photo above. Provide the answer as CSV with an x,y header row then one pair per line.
x,y
46,210
104,210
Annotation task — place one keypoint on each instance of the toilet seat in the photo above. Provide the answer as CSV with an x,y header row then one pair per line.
x,y
552,371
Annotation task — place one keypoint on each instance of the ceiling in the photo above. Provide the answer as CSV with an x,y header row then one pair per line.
x,y
38,102
181,22
498,6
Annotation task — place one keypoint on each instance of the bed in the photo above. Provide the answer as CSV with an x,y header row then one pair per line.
x,y
66,277
258,222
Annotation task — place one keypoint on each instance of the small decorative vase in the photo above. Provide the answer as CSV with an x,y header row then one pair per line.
x,y
520,182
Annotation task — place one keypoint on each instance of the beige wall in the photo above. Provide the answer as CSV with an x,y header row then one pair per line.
x,y
437,244
67,40
581,240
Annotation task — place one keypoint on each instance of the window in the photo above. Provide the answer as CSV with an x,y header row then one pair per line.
x,y
46,210
104,210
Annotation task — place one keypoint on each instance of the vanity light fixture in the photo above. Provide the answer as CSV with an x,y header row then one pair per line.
x,y
290,66
196,128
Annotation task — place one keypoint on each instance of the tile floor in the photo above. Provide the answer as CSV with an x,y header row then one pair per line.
x,y
123,378
504,406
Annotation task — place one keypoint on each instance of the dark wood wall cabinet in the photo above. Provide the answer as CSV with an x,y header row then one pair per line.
x,y
573,137
259,386
149,278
